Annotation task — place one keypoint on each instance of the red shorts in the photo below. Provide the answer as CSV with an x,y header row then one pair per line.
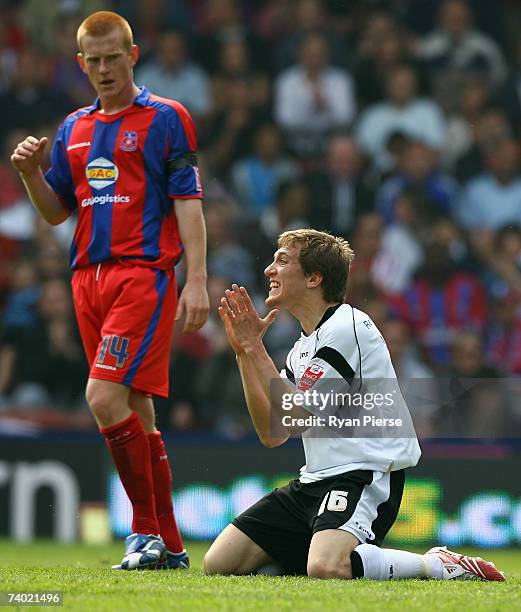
x,y
126,320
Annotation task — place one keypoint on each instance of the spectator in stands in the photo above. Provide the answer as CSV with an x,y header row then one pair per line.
x,y
313,97
382,55
502,276
503,339
220,20
235,64
229,131
489,129
217,383
475,403
402,112
43,364
256,178
456,46
511,93
340,192
367,243
172,74
415,377
67,77
442,300
471,101
7,58
30,101
17,218
309,17
291,211
493,199
418,171
401,251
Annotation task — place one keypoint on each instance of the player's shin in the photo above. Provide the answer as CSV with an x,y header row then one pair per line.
x,y
130,449
388,564
162,478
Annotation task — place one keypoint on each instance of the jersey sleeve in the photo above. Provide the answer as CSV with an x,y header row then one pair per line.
x,y
184,180
59,174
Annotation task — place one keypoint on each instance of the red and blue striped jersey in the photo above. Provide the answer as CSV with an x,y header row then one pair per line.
x,y
120,174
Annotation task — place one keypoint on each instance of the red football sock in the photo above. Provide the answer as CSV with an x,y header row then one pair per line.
x,y
128,444
163,494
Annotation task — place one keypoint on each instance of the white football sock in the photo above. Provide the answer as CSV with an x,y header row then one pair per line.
x,y
388,564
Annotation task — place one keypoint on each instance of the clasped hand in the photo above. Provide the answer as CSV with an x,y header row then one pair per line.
x,y
244,327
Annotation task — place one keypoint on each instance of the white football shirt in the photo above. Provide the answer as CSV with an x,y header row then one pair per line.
x,y
346,352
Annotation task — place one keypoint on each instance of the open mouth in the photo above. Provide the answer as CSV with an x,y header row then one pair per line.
x,y
107,82
274,285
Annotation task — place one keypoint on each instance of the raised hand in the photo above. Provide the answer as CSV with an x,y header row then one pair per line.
x,y
27,156
244,327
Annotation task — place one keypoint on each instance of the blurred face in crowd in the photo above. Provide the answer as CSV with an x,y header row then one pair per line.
x,y
314,53
467,353
29,71
508,244
396,337
234,57
343,158
309,14
418,160
268,143
55,300
171,50
455,17
379,27
504,161
368,235
474,97
401,85
292,205
108,63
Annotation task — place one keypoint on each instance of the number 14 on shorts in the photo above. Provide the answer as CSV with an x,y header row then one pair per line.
x,y
116,346
336,502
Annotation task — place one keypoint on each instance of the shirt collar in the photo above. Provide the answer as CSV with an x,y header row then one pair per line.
x,y
141,100
327,315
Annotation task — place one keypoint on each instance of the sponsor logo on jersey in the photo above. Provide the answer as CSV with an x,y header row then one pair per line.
x,y
105,199
101,173
129,141
78,145
310,376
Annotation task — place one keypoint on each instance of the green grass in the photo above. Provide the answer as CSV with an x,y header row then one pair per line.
x,y
82,573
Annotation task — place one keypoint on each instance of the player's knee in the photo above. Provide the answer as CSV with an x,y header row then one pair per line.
x,y
105,406
329,568
213,565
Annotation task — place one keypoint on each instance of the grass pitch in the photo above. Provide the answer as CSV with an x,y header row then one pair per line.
x,y
84,576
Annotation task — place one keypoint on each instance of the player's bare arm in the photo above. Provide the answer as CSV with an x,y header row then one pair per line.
x,y
193,303
245,330
27,158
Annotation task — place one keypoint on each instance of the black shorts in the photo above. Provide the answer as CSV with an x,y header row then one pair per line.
x,y
362,502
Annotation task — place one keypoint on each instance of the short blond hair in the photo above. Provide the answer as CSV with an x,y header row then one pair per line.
x,y
103,23
322,252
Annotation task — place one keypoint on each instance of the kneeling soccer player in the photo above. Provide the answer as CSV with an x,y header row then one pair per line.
x,y
330,522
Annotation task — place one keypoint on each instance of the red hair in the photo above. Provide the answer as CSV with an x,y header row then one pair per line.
x,y
103,23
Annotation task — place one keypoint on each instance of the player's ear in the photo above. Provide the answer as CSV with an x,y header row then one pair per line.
x,y
135,54
81,61
315,279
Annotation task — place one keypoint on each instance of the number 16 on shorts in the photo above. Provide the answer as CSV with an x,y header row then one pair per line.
x,y
336,501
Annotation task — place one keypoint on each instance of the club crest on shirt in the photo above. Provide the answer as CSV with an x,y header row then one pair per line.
x,y
129,141
310,376
101,173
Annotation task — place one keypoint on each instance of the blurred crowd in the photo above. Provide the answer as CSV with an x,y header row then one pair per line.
x,y
396,124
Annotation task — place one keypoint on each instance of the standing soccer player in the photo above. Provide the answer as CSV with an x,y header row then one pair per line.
x,y
330,522
127,166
